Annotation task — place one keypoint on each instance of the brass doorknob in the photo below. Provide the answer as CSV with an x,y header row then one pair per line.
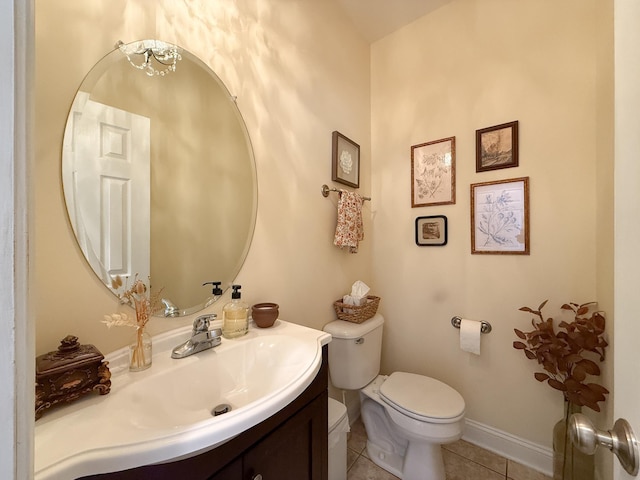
x,y
620,440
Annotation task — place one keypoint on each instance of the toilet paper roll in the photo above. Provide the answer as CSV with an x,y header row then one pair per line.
x,y
470,336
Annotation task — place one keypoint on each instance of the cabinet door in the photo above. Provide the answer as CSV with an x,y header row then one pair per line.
x,y
233,471
295,451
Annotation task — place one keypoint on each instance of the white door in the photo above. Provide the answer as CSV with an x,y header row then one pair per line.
x,y
108,187
622,437
627,218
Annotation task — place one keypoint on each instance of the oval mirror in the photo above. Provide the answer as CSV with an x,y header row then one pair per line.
x,y
158,174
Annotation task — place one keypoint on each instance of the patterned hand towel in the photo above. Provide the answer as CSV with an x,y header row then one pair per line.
x,y
349,229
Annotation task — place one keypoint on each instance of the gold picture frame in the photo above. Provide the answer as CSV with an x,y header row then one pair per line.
x,y
433,173
500,217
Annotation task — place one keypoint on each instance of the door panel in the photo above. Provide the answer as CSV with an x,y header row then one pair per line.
x,y
627,213
111,180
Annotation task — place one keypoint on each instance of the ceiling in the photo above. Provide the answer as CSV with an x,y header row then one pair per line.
x,y
377,18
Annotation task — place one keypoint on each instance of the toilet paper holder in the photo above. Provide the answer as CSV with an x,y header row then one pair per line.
x,y
485,327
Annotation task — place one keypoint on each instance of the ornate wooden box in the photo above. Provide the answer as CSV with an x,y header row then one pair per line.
x,y
68,373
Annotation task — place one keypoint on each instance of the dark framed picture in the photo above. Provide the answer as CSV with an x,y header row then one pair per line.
x,y
433,173
497,147
345,165
431,231
500,217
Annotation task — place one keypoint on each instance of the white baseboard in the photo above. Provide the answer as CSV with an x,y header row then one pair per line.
x,y
509,446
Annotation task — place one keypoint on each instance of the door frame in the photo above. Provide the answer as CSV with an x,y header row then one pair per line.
x,y
626,212
17,326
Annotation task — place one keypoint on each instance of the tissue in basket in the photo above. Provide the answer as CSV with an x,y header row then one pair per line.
x,y
357,314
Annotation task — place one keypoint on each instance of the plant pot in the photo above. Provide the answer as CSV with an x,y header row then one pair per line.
x,y
569,463
264,314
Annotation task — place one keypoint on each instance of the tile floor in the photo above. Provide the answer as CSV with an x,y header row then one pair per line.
x,y
462,461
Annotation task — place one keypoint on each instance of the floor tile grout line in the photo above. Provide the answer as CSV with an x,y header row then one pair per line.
x,y
358,455
480,464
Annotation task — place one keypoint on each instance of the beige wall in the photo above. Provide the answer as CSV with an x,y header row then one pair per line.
x,y
469,65
293,91
299,72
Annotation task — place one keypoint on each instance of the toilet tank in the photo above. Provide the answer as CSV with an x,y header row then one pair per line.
x,y
354,352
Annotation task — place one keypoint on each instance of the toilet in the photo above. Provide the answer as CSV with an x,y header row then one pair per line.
x,y
407,416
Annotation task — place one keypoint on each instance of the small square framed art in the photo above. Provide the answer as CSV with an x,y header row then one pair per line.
x,y
431,231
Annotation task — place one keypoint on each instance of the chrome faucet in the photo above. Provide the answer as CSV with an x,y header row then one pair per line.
x,y
201,338
170,310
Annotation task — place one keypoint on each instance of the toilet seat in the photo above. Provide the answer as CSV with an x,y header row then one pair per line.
x,y
422,398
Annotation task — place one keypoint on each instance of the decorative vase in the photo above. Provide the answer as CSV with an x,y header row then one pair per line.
x,y
140,351
569,463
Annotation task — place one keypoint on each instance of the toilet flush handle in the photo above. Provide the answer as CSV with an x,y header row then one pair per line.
x,y
359,341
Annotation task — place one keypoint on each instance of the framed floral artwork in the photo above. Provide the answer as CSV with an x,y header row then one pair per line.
x,y
433,169
497,147
345,165
500,217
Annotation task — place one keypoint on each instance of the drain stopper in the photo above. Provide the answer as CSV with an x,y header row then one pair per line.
x,y
221,409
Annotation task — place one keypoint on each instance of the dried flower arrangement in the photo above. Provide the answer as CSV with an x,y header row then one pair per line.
x,y
139,298
564,354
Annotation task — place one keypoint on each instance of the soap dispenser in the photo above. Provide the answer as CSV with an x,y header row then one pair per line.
x,y
234,315
216,290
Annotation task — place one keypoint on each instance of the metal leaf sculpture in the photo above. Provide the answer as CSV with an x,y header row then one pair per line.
x,y
566,355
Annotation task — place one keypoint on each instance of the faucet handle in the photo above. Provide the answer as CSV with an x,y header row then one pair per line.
x,y
201,324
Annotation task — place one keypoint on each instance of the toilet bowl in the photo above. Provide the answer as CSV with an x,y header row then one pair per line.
x,y
406,416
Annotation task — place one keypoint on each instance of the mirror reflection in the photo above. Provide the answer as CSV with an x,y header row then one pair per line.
x,y
158,175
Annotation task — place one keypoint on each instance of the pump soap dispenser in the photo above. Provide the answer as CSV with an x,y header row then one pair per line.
x,y
216,290
234,315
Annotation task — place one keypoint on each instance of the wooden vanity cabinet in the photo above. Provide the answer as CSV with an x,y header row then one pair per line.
x,y
290,445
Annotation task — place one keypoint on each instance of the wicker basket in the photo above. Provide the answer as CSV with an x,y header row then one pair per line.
x,y
355,313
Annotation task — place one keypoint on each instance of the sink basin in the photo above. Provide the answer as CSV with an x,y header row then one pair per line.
x,y
165,412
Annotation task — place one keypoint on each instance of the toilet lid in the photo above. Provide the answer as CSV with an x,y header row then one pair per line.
x,y
422,397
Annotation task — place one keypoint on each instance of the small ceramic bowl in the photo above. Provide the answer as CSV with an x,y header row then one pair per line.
x,y
264,314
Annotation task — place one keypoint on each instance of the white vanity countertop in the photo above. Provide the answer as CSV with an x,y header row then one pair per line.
x,y
164,413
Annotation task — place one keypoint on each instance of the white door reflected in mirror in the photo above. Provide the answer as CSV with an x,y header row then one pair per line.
x,y
109,191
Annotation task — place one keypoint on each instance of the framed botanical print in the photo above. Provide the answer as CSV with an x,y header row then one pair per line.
x,y
433,173
500,217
